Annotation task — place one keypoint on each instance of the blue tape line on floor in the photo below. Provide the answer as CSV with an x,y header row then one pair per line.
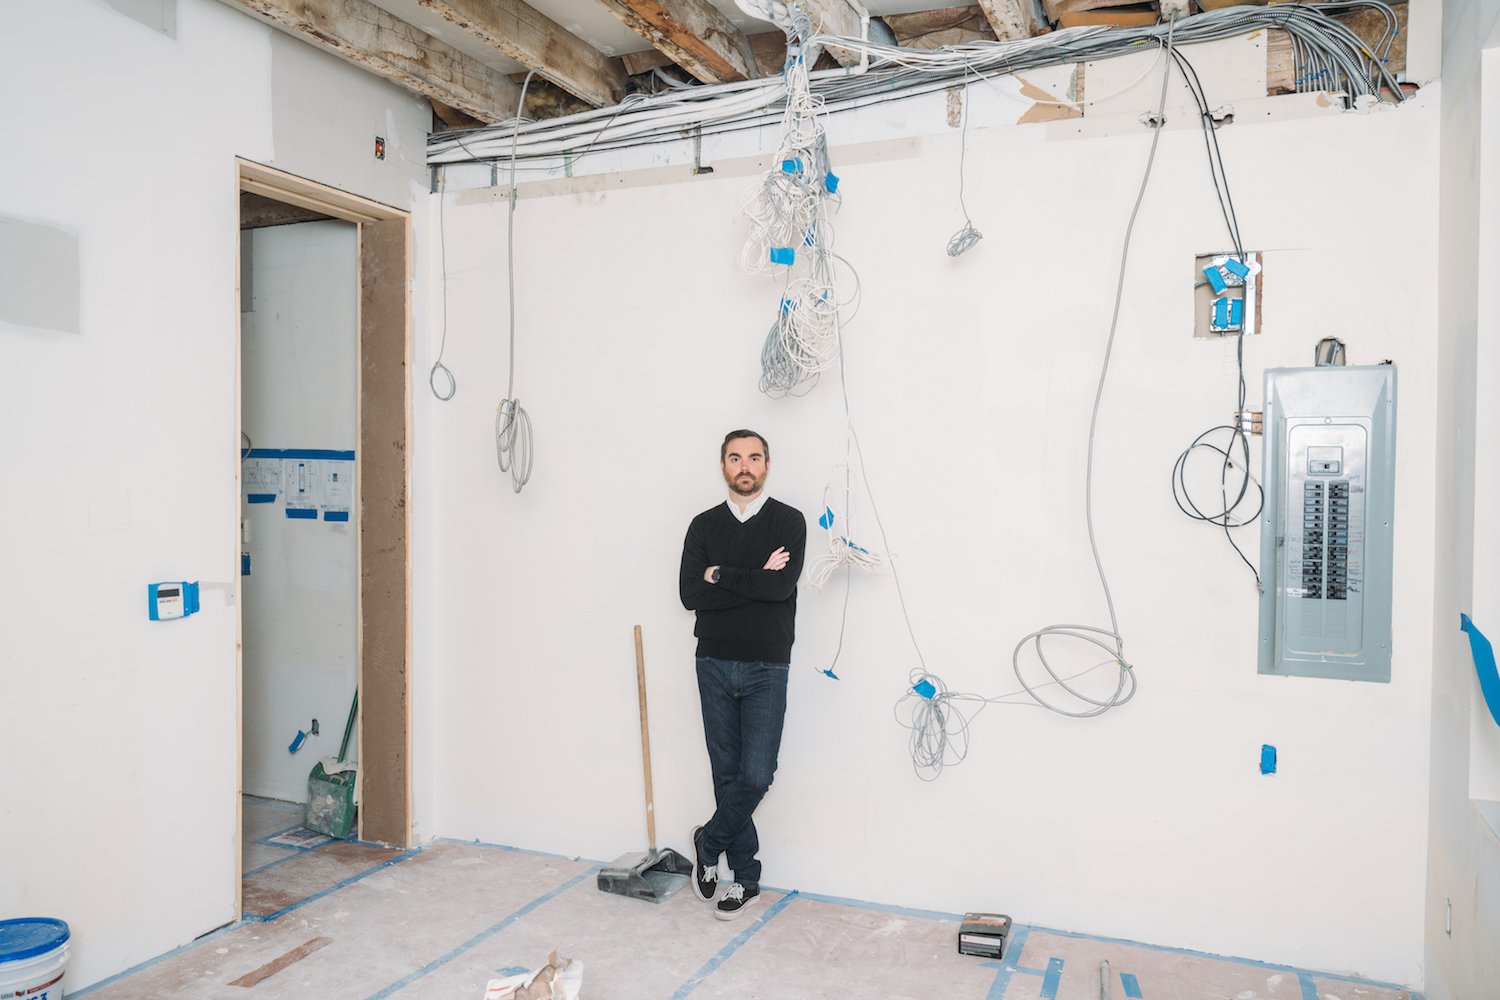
x,y
1132,986
1309,988
1233,960
729,949
1053,979
859,904
1015,945
479,938
344,884
148,963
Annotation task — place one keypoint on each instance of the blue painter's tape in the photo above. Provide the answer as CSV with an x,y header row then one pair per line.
x,y
1309,988
1052,980
1267,759
302,513
791,166
1015,945
482,936
261,498
826,521
190,605
924,688
1215,279
335,515
783,255
1221,314
729,949
244,564
329,454
1236,312
831,182
297,742
1132,986
344,884
1238,269
1484,665
512,970
829,673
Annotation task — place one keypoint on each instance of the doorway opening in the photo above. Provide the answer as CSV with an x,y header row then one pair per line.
x,y
324,595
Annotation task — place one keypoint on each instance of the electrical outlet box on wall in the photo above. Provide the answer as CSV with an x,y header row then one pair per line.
x,y
1227,294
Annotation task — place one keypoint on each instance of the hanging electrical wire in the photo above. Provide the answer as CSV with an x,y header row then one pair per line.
x,y
1234,451
968,236
838,529
513,442
1328,55
1083,705
438,368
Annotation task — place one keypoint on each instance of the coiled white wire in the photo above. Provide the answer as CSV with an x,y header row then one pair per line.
x,y
839,530
513,444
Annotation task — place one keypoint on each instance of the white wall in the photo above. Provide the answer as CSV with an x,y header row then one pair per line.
x,y
301,599
971,382
119,802
1464,868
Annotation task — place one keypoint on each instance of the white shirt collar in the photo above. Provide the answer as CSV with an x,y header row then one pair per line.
x,y
751,509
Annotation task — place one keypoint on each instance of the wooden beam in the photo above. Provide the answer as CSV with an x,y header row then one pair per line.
x,y
1368,24
259,212
693,32
1010,18
835,17
359,32
534,40
931,29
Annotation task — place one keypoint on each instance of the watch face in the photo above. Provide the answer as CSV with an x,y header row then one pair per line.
x,y
716,574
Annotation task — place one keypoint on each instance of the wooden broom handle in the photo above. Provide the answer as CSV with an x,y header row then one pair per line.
x,y
640,683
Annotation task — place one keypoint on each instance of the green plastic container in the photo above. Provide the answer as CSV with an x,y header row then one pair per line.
x,y
330,797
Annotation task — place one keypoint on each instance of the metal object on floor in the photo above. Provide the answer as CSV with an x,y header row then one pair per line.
x,y
653,875
983,934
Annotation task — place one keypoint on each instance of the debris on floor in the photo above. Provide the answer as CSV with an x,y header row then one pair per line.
x,y
559,979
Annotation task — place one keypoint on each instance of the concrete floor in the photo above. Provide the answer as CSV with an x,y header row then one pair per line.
x,y
351,920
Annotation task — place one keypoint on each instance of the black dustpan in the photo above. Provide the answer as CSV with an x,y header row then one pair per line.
x,y
652,874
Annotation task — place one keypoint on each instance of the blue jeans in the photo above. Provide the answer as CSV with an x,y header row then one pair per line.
x,y
744,705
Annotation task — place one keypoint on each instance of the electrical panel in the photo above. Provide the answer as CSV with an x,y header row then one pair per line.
x,y
1328,469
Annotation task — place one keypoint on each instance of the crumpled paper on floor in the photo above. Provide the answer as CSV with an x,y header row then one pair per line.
x,y
559,979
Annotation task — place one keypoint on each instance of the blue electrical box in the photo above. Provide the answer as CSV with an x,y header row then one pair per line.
x,y
165,601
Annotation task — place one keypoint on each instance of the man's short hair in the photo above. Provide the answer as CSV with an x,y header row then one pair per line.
x,y
765,449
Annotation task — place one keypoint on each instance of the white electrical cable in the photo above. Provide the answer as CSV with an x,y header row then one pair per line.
x,y
1125,685
838,527
513,444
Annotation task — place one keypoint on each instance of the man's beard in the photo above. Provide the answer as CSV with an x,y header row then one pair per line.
x,y
735,484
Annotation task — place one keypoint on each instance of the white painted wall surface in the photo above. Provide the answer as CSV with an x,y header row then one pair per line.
x,y
971,381
1464,866
119,806
301,599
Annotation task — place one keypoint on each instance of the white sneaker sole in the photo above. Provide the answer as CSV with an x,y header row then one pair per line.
x,y
736,914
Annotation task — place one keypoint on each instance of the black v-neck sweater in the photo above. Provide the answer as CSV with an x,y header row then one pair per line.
x,y
750,614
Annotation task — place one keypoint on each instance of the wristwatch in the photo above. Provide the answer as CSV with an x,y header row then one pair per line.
x,y
714,576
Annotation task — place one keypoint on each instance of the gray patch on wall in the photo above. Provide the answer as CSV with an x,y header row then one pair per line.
x,y
158,15
39,275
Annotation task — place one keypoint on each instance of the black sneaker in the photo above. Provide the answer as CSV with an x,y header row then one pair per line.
x,y
737,899
705,877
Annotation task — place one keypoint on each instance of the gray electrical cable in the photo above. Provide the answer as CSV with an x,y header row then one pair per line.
x,y
438,366
1125,686
966,237
513,444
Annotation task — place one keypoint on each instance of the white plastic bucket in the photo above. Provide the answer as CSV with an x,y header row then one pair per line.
x,y
33,958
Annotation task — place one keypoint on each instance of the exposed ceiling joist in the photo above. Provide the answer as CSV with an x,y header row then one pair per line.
x,y
695,34
836,17
1010,18
537,42
769,48
363,34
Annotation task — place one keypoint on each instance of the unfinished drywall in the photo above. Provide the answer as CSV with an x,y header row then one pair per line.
x,y
1463,892
127,434
38,276
301,599
970,382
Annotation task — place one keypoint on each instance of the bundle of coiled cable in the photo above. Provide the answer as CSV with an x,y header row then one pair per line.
x,y
839,530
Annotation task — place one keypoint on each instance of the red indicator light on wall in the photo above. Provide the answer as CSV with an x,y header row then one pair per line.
x,y
379,148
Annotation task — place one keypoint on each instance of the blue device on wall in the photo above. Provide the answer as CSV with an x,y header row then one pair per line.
x,y
165,601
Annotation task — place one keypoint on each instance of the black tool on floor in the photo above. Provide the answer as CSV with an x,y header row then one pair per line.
x,y
983,934
653,875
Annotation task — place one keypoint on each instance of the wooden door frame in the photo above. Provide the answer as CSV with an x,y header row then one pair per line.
x,y
382,472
